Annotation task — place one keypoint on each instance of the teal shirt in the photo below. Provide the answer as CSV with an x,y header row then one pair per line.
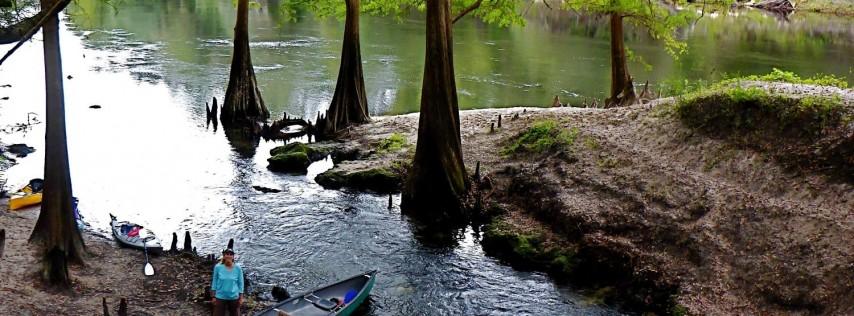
x,y
227,284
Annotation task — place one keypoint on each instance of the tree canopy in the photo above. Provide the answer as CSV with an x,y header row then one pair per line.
x,y
661,19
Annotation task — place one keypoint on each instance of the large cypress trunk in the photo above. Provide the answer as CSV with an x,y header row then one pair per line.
x,y
437,181
56,229
243,105
622,89
349,103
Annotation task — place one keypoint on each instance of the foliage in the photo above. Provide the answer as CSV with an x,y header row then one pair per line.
x,y
393,143
659,18
499,12
542,136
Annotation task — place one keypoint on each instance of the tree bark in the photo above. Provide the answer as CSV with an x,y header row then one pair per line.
x,y
437,181
622,89
56,229
243,105
349,103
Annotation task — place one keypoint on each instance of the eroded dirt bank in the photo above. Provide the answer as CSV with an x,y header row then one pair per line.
x,y
667,218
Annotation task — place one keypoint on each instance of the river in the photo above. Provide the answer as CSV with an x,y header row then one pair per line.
x,y
146,154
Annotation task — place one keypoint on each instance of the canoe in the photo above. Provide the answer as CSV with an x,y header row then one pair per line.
x,y
143,238
23,200
340,298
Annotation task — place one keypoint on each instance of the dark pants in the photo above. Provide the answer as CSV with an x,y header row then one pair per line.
x,y
229,306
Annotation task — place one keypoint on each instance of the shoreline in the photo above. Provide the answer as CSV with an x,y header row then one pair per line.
x,y
682,222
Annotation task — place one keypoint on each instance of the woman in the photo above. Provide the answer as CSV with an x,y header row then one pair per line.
x,y
227,285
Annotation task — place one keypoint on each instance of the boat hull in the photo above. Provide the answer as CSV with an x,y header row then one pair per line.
x,y
308,304
24,201
145,239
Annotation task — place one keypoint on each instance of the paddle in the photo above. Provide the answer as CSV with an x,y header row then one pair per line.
x,y
149,269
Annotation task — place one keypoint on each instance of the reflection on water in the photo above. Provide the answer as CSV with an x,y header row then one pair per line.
x,y
557,53
146,154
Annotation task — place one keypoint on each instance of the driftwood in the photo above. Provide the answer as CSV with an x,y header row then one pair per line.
x,y
266,189
2,241
783,7
188,243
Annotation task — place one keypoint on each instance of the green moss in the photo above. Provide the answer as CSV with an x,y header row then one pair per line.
x,y
591,143
541,137
292,148
748,109
381,180
393,143
526,250
678,310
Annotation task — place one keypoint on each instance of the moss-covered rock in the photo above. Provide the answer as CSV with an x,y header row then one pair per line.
x,y
289,162
295,157
379,179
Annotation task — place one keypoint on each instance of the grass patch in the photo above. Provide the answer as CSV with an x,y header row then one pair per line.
x,y
393,143
543,136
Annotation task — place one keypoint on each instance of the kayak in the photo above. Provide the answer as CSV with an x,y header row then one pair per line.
x,y
23,200
341,298
134,236
31,194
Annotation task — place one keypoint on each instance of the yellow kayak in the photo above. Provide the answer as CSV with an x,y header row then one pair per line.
x,y
20,201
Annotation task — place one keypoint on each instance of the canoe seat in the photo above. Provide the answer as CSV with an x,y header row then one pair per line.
x,y
325,304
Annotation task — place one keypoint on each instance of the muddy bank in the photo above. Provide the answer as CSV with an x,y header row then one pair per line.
x,y
110,272
676,219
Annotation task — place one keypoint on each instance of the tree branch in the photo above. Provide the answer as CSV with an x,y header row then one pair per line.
x,y
467,11
58,6
15,32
